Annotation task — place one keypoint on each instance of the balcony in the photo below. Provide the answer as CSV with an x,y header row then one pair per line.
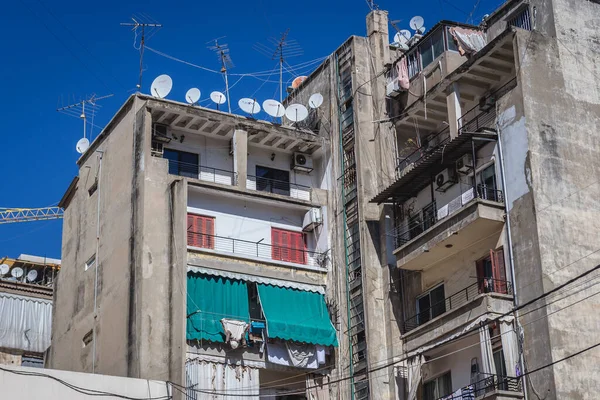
x,y
457,300
282,188
489,387
203,173
256,251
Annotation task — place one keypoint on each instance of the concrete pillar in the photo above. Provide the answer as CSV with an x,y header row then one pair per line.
x,y
454,110
239,143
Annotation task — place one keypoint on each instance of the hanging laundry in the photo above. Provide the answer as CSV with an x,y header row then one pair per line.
x,y
235,332
297,355
320,355
468,40
403,78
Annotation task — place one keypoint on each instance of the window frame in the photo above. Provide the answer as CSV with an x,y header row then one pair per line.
x,y
200,238
430,311
267,182
290,253
183,168
497,265
437,392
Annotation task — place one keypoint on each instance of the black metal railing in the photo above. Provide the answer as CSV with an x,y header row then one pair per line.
x,y
246,248
275,186
458,299
420,221
428,145
202,172
485,384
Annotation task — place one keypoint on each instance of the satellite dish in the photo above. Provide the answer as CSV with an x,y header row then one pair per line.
x,y
296,113
17,272
298,81
218,98
31,275
416,23
274,108
315,100
249,106
4,268
404,36
161,86
192,96
82,145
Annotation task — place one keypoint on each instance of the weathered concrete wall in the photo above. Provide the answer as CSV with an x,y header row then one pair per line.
x,y
16,386
554,216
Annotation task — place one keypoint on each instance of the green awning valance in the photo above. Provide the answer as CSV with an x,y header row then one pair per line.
x,y
211,298
296,315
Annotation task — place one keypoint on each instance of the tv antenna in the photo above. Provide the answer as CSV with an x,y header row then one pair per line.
x,y
280,49
223,53
139,24
73,110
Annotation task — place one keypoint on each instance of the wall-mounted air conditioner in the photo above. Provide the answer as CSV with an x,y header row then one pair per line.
x,y
464,165
160,133
312,219
302,162
393,88
445,179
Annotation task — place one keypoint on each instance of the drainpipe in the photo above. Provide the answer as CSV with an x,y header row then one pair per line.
x,y
97,263
510,254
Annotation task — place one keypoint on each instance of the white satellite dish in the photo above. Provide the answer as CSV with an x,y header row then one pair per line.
x,y
218,98
82,145
404,36
274,108
4,268
315,100
31,275
296,112
161,86
249,106
192,96
16,272
416,23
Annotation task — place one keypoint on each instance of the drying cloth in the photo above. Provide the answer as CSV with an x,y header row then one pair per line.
x,y
468,40
302,354
320,355
403,78
234,331
278,353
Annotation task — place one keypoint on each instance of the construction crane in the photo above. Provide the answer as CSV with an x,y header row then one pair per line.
x,y
8,215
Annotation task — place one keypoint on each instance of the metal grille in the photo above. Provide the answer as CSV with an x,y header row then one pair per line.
x,y
522,20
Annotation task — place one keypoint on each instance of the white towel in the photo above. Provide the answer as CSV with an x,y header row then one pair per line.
x,y
320,355
236,329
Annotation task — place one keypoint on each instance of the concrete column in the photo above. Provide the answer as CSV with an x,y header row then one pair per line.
x,y
240,156
454,110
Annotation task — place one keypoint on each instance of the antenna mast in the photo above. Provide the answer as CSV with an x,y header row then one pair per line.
x,y
143,25
69,109
223,53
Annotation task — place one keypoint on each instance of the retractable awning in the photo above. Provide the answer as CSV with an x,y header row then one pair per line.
x,y
296,315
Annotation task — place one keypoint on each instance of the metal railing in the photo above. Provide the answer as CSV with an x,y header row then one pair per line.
x,y
274,186
246,248
485,384
458,299
420,221
202,172
428,145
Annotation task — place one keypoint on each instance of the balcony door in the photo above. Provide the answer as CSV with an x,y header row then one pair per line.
x,y
431,304
487,186
491,273
289,246
182,163
272,180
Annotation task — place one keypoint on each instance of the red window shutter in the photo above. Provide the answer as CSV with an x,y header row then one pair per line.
x,y
201,231
192,226
209,231
288,246
275,243
299,248
498,271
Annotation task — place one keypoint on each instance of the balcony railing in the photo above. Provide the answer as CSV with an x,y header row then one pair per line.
x,y
428,145
423,219
458,299
274,186
254,250
202,172
487,383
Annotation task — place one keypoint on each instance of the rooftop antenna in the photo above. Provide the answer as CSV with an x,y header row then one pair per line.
x,y
223,53
72,109
139,24
280,49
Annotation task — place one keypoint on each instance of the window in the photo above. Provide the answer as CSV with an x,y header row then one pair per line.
x,y
90,263
451,43
438,387
491,273
431,304
288,246
87,338
432,48
486,184
413,64
521,20
182,163
201,231
273,180
94,187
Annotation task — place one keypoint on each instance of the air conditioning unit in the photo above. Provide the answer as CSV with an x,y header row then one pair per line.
x,y
302,162
393,88
312,219
445,179
160,133
464,165
487,103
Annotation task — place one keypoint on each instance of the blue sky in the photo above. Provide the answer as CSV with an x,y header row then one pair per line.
x,y
61,51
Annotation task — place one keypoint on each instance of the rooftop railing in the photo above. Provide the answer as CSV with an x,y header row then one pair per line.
x,y
458,299
202,172
274,186
258,250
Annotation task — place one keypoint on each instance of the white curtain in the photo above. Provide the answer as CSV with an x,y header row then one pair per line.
x,y
487,355
509,347
414,375
25,323
209,380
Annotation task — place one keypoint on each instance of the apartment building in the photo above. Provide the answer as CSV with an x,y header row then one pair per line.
x,y
492,203
197,249
26,288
